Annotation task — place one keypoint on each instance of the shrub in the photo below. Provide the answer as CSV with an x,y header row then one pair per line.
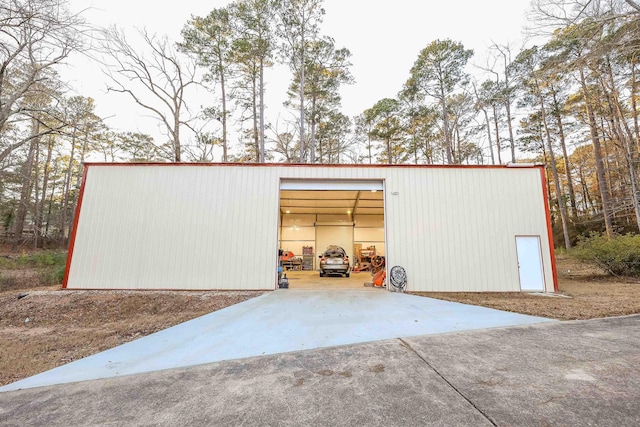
x,y
51,276
52,266
43,268
44,259
618,255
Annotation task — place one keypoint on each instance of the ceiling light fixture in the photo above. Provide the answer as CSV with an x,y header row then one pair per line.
x,y
287,211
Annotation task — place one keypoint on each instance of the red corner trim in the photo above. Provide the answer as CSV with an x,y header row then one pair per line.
x,y
72,240
549,230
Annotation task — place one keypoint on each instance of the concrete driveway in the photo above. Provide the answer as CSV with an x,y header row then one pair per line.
x,y
278,322
582,373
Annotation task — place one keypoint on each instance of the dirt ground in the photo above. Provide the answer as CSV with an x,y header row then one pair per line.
x,y
584,293
49,327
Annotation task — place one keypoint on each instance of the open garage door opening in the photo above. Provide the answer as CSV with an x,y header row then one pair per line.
x,y
332,233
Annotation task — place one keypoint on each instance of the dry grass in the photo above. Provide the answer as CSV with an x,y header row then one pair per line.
x,y
51,327
19,279
589,294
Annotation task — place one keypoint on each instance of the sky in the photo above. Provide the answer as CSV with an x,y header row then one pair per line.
x,y
384,37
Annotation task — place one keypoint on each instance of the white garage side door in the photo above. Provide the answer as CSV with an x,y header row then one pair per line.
x,y
340,235
530,263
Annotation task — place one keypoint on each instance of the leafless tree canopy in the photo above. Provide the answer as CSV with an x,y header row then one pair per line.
x,y
156,78
35,37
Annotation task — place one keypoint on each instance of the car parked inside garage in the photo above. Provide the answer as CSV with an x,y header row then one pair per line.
x,y
334,260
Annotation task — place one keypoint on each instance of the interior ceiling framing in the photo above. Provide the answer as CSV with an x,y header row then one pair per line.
x,y
332,202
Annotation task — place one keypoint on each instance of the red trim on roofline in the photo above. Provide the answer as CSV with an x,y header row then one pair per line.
x,y
72,239
413,166
315,165
549,229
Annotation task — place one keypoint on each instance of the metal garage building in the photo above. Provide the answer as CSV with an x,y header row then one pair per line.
x,y
219,226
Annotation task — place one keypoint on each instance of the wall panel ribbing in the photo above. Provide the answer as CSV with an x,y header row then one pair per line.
x,y
454,229
216,226
158,227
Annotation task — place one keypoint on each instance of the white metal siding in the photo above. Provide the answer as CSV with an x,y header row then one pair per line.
x,y
216,227
454,229
179,227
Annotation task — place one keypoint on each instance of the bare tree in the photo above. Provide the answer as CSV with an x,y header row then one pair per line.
x,y
482,105
35,37
203,150
502,53
285,143
156,82
548,15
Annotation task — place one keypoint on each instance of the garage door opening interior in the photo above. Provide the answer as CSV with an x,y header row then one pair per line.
x,y
313,220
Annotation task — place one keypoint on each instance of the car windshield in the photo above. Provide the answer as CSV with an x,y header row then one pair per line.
x,y
334,252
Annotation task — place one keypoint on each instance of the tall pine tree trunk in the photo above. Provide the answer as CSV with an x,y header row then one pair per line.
x,y
634,106
45,184
79,174
486,120
625,137
66,189
254,112
50,204
572,195
36,198
262,155
223,89
497,129
27,184
597,152
445,124
552,159
312,139
302,83
512,143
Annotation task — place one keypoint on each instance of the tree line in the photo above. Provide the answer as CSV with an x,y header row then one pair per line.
x,y
568,101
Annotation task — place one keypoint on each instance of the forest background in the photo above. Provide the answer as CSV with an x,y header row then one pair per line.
x,y
566,97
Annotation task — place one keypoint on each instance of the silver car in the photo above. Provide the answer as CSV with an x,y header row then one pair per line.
x,y
334,261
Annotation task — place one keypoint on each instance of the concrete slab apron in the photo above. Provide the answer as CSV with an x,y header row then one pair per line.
x,y
380,383
278,322
579,373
